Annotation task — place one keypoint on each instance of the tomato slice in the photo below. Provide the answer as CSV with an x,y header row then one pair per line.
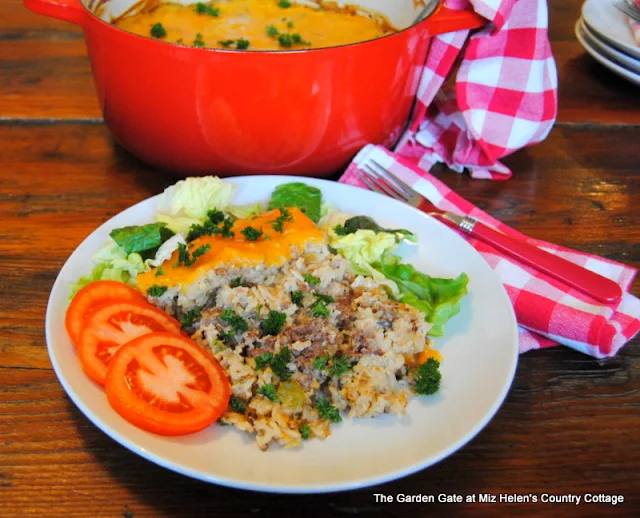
x,y
111,325
89,296
167,384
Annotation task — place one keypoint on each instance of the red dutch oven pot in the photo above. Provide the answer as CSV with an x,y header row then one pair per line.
x,y
227,112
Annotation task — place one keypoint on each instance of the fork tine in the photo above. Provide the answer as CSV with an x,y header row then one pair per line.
x,y
365,179
392,179
382,184
628,9
370,182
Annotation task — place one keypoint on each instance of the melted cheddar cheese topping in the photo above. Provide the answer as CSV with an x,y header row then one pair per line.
x,y
261,24
273,248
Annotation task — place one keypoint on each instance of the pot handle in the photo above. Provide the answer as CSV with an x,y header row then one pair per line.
x,y
450,20
68,10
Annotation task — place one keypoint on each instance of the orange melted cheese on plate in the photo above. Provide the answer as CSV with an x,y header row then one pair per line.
x,y
254,24
273,248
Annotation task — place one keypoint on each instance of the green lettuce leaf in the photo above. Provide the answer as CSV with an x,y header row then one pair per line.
x,y
297,194
356,223
142,239
438,298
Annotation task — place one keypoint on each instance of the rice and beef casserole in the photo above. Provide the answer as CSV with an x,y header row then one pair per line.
x,y
300,336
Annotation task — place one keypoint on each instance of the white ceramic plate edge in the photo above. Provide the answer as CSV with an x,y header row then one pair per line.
x,y
606,21
603,60
278,488
624,60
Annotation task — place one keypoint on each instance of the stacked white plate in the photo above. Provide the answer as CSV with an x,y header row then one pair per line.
x,y
604,32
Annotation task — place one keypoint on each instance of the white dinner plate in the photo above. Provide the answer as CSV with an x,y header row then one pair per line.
x,y
602,59
611,25
624,60
479,348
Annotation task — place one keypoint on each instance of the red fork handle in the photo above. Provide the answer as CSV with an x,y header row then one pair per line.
x,y
68,10
586,281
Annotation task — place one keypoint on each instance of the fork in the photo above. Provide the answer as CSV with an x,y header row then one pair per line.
x,y
380,180
628,8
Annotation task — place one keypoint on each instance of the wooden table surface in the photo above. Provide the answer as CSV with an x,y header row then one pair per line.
x,y
570,424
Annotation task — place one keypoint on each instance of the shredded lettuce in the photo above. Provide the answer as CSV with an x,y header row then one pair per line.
x,y
113,264
195,196
438,298
245,211
165,251
370,251
362,249
178,224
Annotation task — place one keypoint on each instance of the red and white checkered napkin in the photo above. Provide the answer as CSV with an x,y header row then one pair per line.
x,y
504,96
548,311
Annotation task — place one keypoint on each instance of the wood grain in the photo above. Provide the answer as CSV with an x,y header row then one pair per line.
x,y
569,424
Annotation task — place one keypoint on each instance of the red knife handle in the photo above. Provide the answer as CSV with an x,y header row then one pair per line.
x,y
591,283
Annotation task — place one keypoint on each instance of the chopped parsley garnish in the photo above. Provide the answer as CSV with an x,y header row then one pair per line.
x,y
226,336
212,226
285,39
238,323
263,361
215,216
225,229
296,297
186,259
319,309
311,279
278,223
158,30
268,390
273,323
340,365
305,431
285,4
324,298
277,362
156,290
288,40
327,410
335,366
187,319
201,250
251,233
236,283
238,405
320,362
159,272
202,8
240,44
427,377
198,42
